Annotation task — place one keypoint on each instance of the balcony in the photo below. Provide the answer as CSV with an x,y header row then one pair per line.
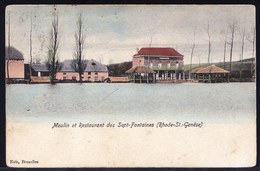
x,y
167,68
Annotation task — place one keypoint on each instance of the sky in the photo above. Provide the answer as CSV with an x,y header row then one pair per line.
x,y
115,32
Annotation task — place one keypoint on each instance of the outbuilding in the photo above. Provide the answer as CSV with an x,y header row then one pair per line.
x,y
211,74
14,63
141,74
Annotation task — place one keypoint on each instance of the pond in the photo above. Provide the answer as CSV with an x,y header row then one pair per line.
x,y
222,102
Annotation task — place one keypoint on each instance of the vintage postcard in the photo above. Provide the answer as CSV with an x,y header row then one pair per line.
x,y
130,86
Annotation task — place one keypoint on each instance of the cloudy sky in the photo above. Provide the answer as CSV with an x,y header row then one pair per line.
x,y
114,32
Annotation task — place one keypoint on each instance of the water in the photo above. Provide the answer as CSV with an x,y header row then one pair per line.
x,y
92,102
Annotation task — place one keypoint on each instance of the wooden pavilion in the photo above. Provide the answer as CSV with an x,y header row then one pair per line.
x,y
211,74
141,74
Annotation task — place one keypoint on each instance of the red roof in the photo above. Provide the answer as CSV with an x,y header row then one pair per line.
x,y
158,51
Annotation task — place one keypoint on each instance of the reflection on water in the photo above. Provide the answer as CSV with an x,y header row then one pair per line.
x,y
230,102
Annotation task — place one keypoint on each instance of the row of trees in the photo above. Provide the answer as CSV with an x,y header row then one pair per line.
x,y
78,63
232,29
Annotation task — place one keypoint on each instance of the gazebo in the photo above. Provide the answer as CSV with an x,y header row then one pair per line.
x,y
211,73
141,74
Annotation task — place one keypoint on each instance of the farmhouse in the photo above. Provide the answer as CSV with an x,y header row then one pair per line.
x,y
14,63
166,62
94,71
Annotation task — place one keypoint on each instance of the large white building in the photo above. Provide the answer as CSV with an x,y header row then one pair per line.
x,y
166,62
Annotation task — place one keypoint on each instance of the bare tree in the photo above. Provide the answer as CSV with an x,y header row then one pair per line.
x,y
30,67
242,34
8,49
52,62
252,39
225,49
207,29
232,28
192,51
78,64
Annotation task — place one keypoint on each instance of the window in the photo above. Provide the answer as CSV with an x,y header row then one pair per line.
x,y
89,73
160,65
89,78
151,64
73,77
96,78
95,73
64,73
169,65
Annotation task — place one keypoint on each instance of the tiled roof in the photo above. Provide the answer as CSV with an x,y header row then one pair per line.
x,y
92,65
14,54
40,67
211,69
158,51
